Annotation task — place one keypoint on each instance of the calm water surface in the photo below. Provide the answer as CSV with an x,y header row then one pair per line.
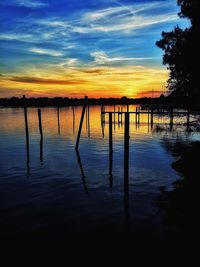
x,y
60,192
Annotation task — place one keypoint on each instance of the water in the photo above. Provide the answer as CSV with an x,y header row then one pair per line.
x,y
59,192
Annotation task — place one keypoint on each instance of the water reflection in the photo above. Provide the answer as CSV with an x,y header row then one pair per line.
x,y
135,168
82,172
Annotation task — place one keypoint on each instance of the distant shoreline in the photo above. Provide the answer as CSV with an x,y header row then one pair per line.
x,y
154,103
62,102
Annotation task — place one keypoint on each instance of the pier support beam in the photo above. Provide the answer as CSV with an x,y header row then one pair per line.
x,y
41,134
27,134
81,123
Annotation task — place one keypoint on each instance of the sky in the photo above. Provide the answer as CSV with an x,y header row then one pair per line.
x,y
73,48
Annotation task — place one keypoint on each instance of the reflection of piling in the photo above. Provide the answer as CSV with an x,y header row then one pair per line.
x,y
41,134
27,135
126,173
81,123
82,172
110,167
118,114
58,117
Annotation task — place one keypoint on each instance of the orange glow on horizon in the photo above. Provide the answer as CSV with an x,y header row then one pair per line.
x,y
135,81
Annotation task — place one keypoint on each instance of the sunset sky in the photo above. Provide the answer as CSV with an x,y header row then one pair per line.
x,y
72,48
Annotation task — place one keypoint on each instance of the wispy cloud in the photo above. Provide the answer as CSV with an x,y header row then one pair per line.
x,y
101,57
46,81
43,51
120,18
17,37
126,17
27,3
69,62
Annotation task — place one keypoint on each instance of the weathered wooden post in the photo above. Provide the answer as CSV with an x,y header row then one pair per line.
x,y
110,133
73,119
148,116
151,118
27,134
81,123
126,144
121,114
139,110
128,107
136,110
114,114
118,114
88,120
110,149
40,122
58,117
41,134
126,172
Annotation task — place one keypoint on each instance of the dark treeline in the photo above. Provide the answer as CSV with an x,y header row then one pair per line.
x,y
65,101
182,54
155,103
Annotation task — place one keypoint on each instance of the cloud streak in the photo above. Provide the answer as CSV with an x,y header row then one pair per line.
x,y
49,52
46,81
101,57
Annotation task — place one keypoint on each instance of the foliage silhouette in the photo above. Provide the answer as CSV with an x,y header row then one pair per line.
x,y
182,54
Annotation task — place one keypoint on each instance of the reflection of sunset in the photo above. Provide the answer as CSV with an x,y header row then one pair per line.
x,y
12,122
95,82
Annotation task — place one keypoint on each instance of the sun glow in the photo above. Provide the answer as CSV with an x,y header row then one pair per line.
x,y
135,81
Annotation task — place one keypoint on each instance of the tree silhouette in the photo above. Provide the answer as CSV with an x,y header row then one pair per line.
x,y
181,53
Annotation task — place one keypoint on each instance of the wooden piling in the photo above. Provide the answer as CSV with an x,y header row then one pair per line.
x,y
110,151
27,134
41,134
73,112
127,107
151,118
136,115
126,173
81,123
40,123
88,120
110,134
58,118
139,115
126,144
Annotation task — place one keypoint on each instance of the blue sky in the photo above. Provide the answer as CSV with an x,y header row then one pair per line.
x,y
85,35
